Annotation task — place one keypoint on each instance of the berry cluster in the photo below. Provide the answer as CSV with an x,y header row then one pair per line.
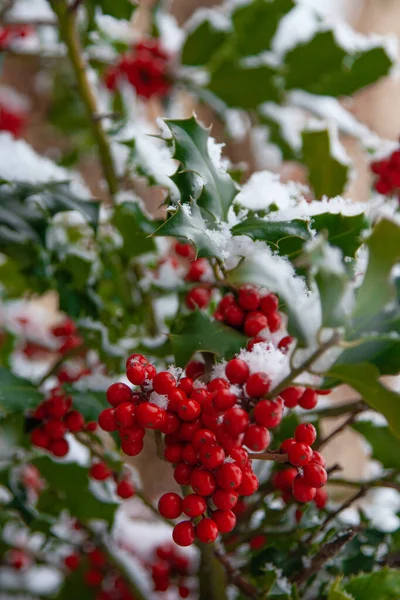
x,y
169,568
52,420
387,173
69,338
99,471
10,33
146,69
305,480
11,121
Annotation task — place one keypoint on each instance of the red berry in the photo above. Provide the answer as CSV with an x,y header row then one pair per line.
x,y
210,421
189,455
64,329
223,399
258,385
136,373
118,393
269,304
236,421
173,453
125,489
249,484
58,407
225,499
163,382
225,302
59,448
198,297
286,444
227,441
91,426
72,561
183,534
194,505
283,480
274,322
183,591
254,341
249,298
320,498
186,385
268,413
183,474
55,429
39,438
97,558
258,542
124,414
94,578
107,420
211,455
299,454
74,421
237,371
254,323
240,508
285,343
132,434
171,424
291,396
241,456
256,438
201,437
301,491
132,448
189,410
318,459
18,559
188,429
229,476
150,415
197,269
207,531
185,250
309,399
234,315
315,475
203,482
306,433
324,392
195,369
225,520
170,505
99,471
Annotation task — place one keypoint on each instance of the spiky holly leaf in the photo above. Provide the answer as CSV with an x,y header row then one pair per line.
x,y
187,223
192,151
342,231
335,593
288,237
197,332
202,43
327,173
380,585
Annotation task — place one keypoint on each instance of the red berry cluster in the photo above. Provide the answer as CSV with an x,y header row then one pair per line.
x,y
10,33
146,69
99,471
11,121
99,574
387,173
169,568
250,312
305,480
53,419
69,338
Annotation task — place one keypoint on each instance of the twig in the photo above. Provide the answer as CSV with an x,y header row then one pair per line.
x,y
66,20
109,115
234,575
328,551
334,468
147,300
273,455
322,442
305,365
374,483
340,409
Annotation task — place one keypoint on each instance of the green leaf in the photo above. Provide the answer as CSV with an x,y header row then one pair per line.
x,y
74,587
327,175
363,378
376,290
335,593
341,231
260,18
135,228
202,43
187,222
381,585
191,151
197,332
287,237
243,86
385,446
322,66
90,404
68,490
122,9
382,350
17,394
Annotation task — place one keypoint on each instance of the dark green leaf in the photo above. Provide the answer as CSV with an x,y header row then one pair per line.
x,y
135,228
68,490
327,175
385,446
74,587
202,43
191,151
120,9
199,333
364,379
381,585
90,404
341,230
381,350
287,237
17,394
255,24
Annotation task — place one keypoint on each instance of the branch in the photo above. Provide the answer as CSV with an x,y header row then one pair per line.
x,y
234,575
339,429
66,21
272,455
340,409
333,341
374,483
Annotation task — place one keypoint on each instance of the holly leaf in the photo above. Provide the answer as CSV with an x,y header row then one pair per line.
x,y
380,585
287,237
322,66
89,403
197,332
376,289
135,228
67,489
261,18
364,379
187,222
202,43
191,150
335,593
385,446
327,174
17,394
122,9
341,230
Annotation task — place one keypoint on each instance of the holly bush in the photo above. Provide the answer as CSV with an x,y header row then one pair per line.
x,y
217,332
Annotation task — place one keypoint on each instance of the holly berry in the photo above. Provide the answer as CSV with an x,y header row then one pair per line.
x,y
194,505
236,421
195,369
39,438
283,480
124,414
223,399
72,561
249,298
189,410
225,520
285,343
173,453
274,322
318,459
299,454
249,484
107,420
74,421
183,534
302,492
55,429
185,250
268,413
118,393
309,399
132,448
225,499
315,475
258,541
163,382
59,448
125,489
170,505
99,471
229,476
211,455
269,304
18,559
198,297
207,531
320,498
150,415
201,437
306,433
291,396
183,474
203,482
234,315
256,438
237,371
258,385
254,323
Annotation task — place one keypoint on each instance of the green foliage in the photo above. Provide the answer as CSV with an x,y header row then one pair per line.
x,y
16,394
381,585
135,228
327,175
287,237
341,231
202,43
385,446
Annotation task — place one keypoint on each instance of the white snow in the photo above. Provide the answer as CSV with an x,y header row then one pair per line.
x,y
171,35
217,17
267,359
116,29
264,189
215,153
159,400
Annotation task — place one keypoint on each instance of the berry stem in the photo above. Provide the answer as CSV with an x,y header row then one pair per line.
x,y
211,574
276,456
340,409
66,20
374,483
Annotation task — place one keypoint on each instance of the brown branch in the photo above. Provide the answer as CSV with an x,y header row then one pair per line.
x,y
340,409
339,429
234,575
272,455
374,483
